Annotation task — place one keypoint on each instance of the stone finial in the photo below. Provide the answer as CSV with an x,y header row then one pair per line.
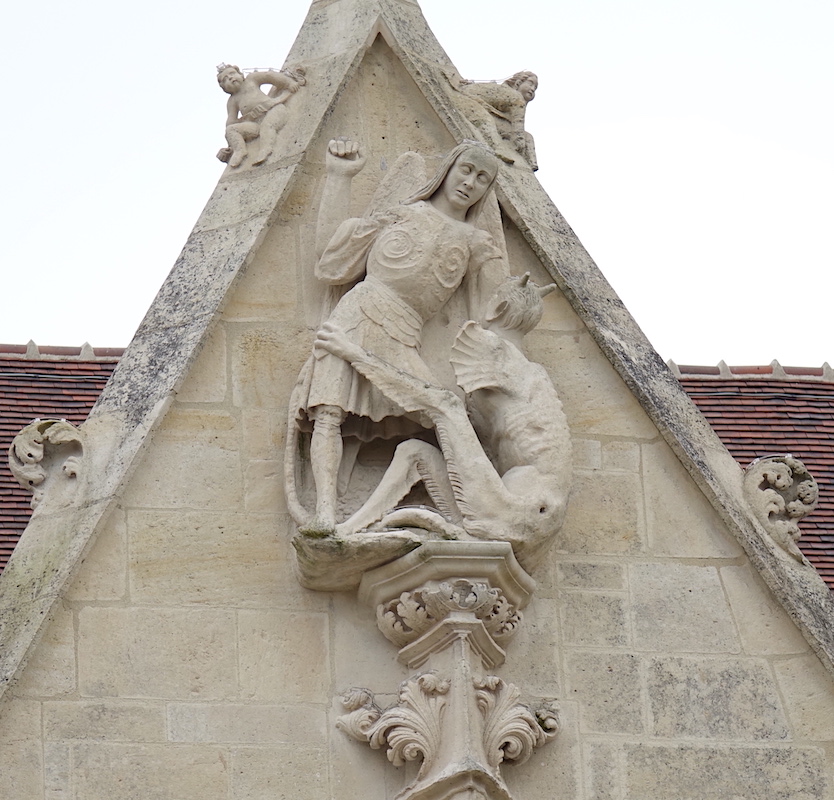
x,y
781,491
47,455
252,114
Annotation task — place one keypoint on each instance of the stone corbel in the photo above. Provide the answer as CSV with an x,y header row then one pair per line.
x,y
47,457
781,491
450,607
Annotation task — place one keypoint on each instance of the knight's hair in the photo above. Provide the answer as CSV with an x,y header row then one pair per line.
x,y
434,184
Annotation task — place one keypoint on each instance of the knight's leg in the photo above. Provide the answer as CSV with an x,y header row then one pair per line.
x,y
326,456
413,461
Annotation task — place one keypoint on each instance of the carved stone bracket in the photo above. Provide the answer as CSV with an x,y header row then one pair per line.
x,y
47,453
781,491
447,605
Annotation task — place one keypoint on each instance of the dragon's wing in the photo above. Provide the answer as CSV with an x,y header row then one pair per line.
x,y
403,179
481,359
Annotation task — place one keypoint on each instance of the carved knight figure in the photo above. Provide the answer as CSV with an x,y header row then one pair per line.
x,y
503,468
251,114
498,110
408,260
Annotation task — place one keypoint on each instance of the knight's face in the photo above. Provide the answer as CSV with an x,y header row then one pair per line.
x,y
469,178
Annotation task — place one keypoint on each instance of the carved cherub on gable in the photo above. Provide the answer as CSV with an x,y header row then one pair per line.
x,y
498,109
253,114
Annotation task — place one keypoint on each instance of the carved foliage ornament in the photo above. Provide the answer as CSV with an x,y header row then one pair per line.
x,y
781,491
408,617
512,730
44,452
412,729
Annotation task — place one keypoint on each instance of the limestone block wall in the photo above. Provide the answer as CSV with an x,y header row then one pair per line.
x,y
185,662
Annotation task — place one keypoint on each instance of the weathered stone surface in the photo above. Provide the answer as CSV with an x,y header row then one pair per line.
x,y
625,456
113,720
589,575
269,289
103,575
593,619
679,519
104,771
264,487
809,701
284,656
57,771
207,380
301,726
360,650
265,361
176,558
191,451
20,719
726,698
595,398
279,773
680,608
762,623
263,434
532,661
157,653
22,761
608,688
605,515
602,778
587,454
660,772
51,670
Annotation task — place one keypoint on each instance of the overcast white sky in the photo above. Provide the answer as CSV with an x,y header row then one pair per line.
x,y
689,144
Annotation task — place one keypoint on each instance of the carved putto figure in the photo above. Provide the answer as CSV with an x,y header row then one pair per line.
x,y
251,114
408,260
502,471
498,111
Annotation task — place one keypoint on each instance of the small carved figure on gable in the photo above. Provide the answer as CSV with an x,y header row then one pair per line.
x,y
404,262
498,110
503,470
253,115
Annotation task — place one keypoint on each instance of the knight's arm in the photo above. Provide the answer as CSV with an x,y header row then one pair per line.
x,y
342,162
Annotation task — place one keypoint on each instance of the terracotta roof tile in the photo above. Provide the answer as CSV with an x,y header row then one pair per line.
x,y
757,416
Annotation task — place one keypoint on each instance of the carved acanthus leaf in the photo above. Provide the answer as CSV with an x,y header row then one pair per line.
x,y
31,450
781,491
411,729
512,730
363,713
